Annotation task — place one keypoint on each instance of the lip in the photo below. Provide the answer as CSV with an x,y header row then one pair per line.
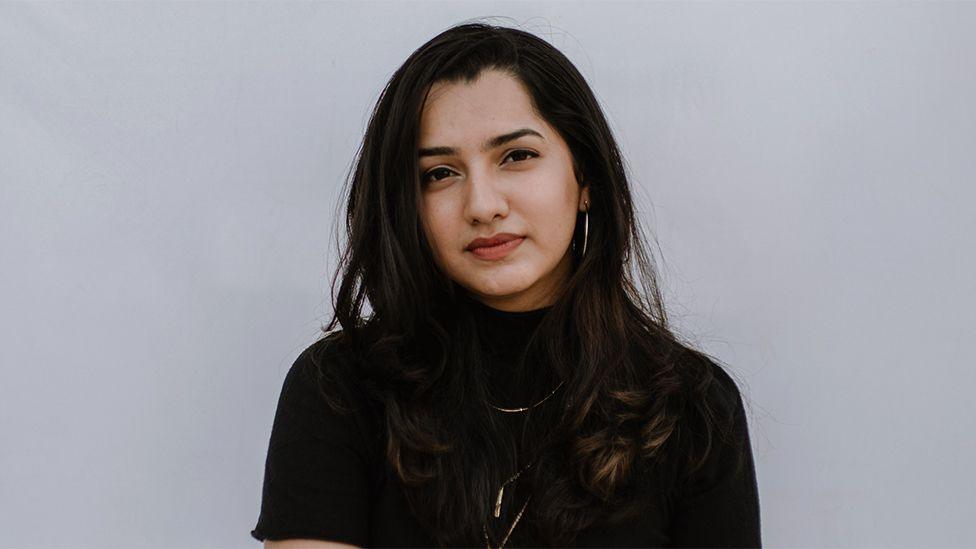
x,y
492,240
501,249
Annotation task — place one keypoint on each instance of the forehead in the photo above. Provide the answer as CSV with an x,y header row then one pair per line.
x,y
493,103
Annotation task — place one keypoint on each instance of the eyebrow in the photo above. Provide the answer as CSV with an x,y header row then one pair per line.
x,y
486,146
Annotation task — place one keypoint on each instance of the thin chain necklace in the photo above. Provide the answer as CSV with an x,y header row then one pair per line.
x,y
510,528
498,508
529,407
501,490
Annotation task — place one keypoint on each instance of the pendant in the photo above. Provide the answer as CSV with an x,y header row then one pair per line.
x,y
498,502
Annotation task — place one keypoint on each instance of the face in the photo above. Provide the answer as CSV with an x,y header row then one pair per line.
x,y
491,166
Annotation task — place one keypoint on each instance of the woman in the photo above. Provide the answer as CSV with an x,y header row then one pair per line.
x,y
516,383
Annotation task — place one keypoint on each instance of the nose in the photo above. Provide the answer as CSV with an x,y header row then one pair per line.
x,y
485,199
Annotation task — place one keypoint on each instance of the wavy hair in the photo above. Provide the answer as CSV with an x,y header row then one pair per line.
x,y
628,379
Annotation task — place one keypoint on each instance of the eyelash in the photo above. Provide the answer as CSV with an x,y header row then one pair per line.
x,y
425,178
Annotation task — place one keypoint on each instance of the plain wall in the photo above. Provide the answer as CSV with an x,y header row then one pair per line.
x,y
169,173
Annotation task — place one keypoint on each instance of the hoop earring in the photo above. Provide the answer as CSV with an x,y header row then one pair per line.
x,y
586,225
586,228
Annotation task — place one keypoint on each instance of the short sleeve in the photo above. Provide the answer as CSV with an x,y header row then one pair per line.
x,y
718,505
316,482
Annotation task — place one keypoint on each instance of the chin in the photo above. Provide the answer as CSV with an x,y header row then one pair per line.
x,y
496,288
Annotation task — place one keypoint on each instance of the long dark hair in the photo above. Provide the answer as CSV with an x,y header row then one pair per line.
x,y
628,380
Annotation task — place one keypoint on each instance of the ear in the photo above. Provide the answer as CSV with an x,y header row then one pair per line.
x,y
584,201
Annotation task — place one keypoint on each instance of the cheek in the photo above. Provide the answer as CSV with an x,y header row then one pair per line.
x,y
554,211
437,225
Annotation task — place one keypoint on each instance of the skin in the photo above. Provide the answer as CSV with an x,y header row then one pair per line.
x,y
307,544
526,186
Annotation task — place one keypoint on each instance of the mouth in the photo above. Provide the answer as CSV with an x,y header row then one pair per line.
x,y
497,251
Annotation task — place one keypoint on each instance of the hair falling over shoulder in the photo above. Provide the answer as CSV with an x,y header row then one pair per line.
x,y
619,413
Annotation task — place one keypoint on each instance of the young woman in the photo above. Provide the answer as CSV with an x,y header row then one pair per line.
x,y
516,383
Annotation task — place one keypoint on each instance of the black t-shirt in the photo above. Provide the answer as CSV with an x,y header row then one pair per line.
x,y
326,476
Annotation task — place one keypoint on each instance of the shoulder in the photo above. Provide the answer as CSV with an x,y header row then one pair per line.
x,y
724,392
710,385
328,367
714,429
321,398
715,495
322,384
327,353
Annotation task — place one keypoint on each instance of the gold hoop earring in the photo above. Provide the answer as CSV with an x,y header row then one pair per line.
x,y
586,225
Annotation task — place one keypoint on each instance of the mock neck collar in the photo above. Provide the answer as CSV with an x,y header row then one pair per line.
x,y
505,337
531,316
505,333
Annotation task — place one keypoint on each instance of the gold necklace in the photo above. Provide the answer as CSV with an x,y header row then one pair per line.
x,y
484,527
501,490
529,407
498,507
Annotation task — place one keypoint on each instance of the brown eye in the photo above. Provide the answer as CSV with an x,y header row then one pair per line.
x,y
521,152
425,178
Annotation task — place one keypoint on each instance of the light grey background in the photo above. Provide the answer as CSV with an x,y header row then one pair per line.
x,y
170,171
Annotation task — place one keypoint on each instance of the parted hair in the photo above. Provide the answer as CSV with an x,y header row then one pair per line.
x,y
636,399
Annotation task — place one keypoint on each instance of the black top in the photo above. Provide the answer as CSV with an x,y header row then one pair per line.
x,y
326,476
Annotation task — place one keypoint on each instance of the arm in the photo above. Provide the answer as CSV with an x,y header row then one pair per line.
x,y
718,506
306,544
316,477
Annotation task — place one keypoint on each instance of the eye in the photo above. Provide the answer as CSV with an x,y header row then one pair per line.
x,y
520,152
518,155
427,177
